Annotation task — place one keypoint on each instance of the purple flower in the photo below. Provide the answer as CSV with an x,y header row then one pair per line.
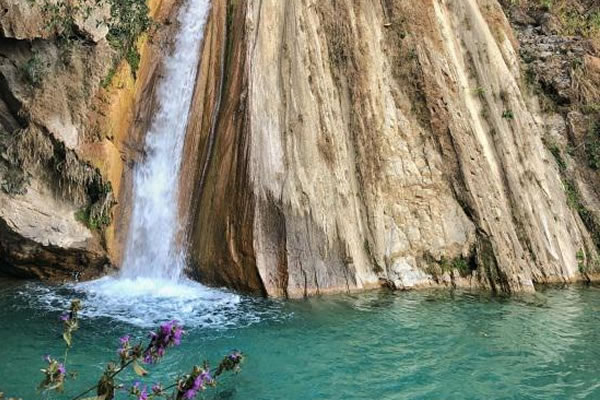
x,y
169,334
189,394
201,380
61,369
206,376
143,394
156,388
135,385
167,327
47,358
198,383
235,356
124,340
177,335
64,317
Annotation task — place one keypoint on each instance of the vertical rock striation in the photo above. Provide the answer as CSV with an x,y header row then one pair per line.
x,y
341,145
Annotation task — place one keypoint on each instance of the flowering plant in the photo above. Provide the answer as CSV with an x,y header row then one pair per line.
x,y
168,334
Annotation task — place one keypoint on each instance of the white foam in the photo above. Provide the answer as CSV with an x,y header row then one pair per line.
x,y
147,302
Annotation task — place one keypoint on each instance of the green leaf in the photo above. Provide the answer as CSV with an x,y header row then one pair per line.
x,y
67,337
95,397
139,370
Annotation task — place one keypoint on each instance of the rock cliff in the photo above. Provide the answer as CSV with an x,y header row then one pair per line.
x,y
341,145
332,145
74,76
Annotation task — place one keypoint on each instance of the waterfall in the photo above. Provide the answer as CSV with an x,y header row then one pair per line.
x,y
152,250
151,286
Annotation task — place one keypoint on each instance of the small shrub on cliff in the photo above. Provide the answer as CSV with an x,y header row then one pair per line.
x,y
572,193
462,265
577,23
134,355
580,256
96,215
575,201
60,18
133,59
556,153
573,21
479,92
508,114
109,77
33,70
592,147
92,220
128,20
13,181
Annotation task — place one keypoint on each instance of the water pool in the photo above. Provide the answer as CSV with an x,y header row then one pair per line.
x,y
378,345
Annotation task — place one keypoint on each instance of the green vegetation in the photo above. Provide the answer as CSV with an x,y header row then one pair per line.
x,y
577,23
574,201
133,59
508,114
109,77
580,256
556,153
479,91
591,108
592,146
461,264
33,70
128,20
586,265
573,21
12,180
93,222
96,216
60,18
573,197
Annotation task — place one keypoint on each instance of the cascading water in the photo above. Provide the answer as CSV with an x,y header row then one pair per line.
x,y
152,251
151,286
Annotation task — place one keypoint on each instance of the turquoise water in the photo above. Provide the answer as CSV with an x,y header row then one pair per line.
x,y
379,345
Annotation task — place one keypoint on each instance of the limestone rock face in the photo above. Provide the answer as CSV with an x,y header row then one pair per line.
x,y
42,239
333,145
342,145
26,20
